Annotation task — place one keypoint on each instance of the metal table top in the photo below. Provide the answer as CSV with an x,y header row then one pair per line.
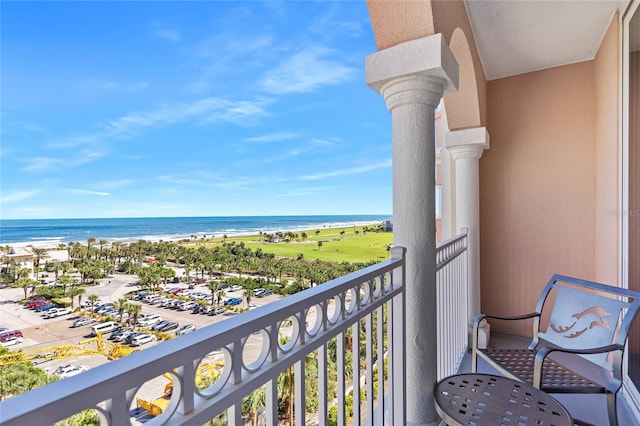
x,y
483,399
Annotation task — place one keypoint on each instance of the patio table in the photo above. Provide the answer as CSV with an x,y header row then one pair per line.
x,y
484,399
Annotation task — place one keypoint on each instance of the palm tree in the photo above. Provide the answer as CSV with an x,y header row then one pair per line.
x,y
213,286
102,243
286,386
134,311
93,299
24,283
254,402
65,280
121,305
81,292
247,296
76,291
219,296
90,242
319,245
38,255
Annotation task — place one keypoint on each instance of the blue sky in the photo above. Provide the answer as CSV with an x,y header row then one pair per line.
x,y
145,109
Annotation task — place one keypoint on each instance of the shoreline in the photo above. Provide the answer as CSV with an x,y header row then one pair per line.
x,y
54,242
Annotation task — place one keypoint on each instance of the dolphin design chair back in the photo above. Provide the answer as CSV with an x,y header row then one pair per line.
x,y
580,329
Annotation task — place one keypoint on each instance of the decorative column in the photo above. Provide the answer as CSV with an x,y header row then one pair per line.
x,y
466,148
412,77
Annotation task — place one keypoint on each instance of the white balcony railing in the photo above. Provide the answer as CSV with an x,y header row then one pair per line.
x,y
370,302
452,291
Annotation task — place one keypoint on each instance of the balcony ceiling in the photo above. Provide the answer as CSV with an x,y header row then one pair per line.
x,y
520,36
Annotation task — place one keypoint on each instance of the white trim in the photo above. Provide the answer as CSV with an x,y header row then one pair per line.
x,y
629,389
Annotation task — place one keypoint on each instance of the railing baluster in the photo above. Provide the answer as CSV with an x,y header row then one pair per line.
x,y
452,283
322,385
381,371
355,350
369,366
340,348
300,402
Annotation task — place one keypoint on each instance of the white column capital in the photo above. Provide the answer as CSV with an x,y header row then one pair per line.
x,y
467,143
414,72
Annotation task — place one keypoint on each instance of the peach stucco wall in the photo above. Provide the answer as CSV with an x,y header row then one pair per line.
x,y
537,198
606,79
397,21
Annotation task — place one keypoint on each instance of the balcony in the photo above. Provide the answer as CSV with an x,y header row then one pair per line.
x,y
355,324
357,320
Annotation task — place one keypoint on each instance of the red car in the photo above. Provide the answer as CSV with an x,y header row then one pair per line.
x,y
35,304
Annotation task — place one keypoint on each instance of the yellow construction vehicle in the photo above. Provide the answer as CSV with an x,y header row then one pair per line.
x,y
207,374
110,350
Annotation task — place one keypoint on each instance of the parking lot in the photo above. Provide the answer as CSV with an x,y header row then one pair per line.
x,y
41,333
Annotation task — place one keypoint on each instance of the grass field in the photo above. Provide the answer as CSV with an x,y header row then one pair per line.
x,y
350,247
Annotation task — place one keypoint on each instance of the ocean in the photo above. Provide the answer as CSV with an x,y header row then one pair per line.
x,y
51,232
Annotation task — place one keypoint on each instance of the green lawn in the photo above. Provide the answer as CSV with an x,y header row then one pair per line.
x,y
363,247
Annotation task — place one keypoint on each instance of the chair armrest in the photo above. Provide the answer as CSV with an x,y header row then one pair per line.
x,y
542,353
519,317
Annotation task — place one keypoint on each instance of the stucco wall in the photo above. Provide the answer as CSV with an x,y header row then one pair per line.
x,y
537,186
606,78
395,22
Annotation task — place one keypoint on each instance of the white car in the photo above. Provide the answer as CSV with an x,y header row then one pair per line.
x,y
188,328
83,321
186,306
235,288
142,339
69,370
11,341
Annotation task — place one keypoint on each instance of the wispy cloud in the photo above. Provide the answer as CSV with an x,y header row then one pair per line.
x,y
207,109
307,71
15,196
273,137
101,85
86,192
350,171
302,192
41,164
169,34
114,184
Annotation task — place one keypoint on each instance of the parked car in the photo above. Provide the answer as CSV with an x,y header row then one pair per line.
x,y
235,288
143,339
262,292
159,325
83,321
217,310
185,306
115,334
132,336
11,341
205,309
233,301
44,308
122,336
171,325
187,328
69,370
8,334
149,320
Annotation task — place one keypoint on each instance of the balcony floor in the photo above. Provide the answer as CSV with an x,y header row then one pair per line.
x,y
592,407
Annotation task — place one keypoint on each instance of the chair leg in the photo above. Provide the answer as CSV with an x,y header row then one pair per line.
x,y
474,360
611,408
